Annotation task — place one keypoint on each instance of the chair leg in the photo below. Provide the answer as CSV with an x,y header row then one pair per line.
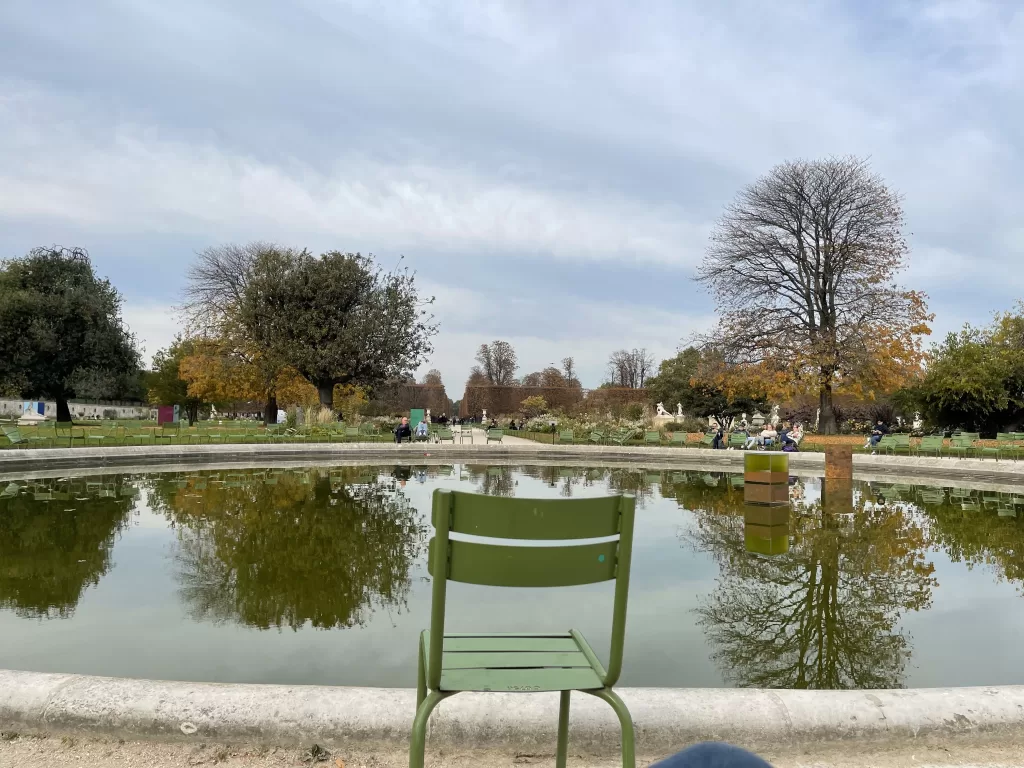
x,y
421,678
563,730
626,723
417,743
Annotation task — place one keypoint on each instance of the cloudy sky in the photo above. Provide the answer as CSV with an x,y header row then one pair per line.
x,y
551,170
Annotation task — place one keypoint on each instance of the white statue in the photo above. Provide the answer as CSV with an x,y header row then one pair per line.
x,y
482,420
662,411
679,410
428,416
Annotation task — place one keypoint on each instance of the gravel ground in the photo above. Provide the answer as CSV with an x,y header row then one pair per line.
x,y
67,752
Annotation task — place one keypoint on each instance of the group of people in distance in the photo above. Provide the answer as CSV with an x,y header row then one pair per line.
x,y
788,436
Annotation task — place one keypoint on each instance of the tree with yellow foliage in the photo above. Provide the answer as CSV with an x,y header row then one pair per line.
x,y
803,269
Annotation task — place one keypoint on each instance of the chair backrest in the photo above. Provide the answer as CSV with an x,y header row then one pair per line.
x,y
652,437
932,441
351,431
901,439
495,433
13,435
498,565
566,434
678,437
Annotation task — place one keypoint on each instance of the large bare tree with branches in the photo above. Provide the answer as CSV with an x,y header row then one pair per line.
x,y
630,368
498,362
803,267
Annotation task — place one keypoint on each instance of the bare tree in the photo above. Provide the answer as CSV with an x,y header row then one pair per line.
x,y
569,371
216,285
812,251
498,362
433,378
630,368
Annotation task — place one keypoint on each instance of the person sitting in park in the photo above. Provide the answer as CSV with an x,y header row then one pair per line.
x,y
767,435
402,431
422,430
512,425
880,430
493,424
786,437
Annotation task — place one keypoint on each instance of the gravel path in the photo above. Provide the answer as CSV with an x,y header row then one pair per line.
x,y
57,752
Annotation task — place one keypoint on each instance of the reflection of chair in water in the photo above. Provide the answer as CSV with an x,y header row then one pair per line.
x,y
710,480
931,496
495,471
10,491
736,480
564,662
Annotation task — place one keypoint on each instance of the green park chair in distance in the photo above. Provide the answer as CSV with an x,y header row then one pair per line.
x,y
652,438
567,436
931,444
737,440
528,662
495,435
678,438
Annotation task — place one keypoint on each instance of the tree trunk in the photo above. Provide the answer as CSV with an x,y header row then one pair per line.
x,y
270,410
826,415
63,411
326,392
192,413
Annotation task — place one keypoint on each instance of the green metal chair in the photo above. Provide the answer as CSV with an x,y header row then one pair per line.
x,y
556,661
652,438
736,440
931,444
495,435
678,438
567,436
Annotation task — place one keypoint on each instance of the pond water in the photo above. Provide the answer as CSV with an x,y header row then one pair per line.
x,y
317,575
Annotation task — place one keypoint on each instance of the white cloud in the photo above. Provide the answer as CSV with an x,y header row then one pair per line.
x,y
136,180
154,326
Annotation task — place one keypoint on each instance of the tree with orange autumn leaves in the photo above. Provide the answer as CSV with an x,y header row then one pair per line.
x,y
803,269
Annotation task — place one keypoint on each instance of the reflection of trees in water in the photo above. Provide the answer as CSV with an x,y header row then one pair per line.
x,y
281,549
979,528
53,547
822,615
493,480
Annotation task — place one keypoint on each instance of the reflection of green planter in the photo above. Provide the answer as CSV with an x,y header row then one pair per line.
x,y
755,514
762,493
766,539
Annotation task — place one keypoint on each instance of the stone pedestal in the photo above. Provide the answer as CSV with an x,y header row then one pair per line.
x,y
660,422
839,462
28,418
